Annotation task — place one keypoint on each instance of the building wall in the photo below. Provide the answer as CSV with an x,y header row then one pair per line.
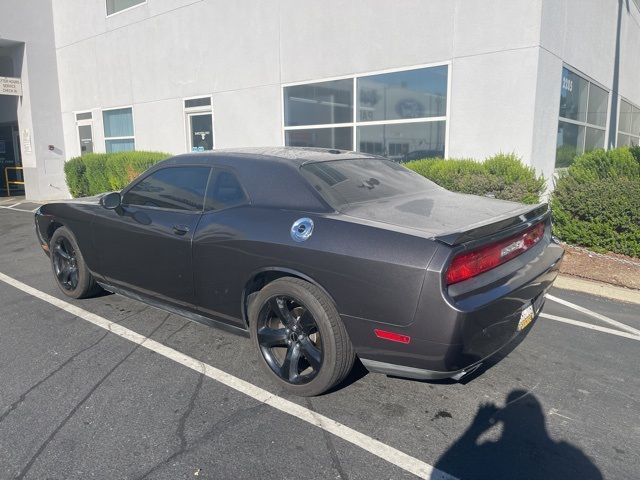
x,y
505,56
27,28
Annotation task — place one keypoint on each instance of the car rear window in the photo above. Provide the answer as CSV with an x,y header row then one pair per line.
x,y
346,182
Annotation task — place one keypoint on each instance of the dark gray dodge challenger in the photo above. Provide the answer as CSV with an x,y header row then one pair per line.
x,y
319,255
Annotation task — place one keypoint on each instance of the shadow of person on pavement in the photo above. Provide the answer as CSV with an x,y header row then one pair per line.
x,y
524,450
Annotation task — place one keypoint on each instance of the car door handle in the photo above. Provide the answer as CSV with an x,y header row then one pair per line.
x,y
180,229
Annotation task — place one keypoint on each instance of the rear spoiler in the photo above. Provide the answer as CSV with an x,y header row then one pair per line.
x,y
507,224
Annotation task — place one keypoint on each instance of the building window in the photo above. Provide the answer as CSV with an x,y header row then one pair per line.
x,y
583,117
115,6
628,124
199,122
401,115
118,130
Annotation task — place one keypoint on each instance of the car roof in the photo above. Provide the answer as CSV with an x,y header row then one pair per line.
x,y
295,156
270,175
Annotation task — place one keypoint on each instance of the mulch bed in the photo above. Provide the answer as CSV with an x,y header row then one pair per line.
x,y
608,269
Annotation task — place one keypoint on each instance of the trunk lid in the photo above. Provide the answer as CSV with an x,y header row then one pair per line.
x,y
449,217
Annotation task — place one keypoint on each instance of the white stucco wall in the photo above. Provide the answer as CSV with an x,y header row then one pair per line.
x,y
38,111
506,61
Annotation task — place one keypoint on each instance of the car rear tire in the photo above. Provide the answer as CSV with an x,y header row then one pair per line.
x,y
68,265
300,337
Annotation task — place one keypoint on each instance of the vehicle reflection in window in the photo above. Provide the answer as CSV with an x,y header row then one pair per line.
x,y
178,188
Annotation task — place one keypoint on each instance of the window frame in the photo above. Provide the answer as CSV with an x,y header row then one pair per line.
x,y
585,124
109,15
133,122
188,111
622,132
147,174
355,123
84,123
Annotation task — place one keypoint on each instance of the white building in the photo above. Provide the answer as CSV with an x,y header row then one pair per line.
x,y
404,78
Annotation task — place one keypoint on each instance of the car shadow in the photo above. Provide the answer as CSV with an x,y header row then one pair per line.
x,y
358,371
516,445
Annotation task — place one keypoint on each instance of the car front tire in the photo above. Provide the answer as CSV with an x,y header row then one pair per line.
x,y
300,337
68,265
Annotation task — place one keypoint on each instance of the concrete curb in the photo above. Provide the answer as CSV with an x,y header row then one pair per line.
x,y
598,288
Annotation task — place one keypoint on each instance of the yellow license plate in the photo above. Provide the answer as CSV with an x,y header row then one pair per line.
x,y
526,317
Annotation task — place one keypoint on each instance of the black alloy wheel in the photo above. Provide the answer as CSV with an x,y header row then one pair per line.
x,y
290,340
65,264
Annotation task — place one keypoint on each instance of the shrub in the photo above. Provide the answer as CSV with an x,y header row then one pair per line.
x,y
96,173
596,202
502,176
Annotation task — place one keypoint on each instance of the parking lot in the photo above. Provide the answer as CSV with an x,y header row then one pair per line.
x,y
117,389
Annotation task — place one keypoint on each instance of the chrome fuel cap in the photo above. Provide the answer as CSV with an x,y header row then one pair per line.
x,y
302,229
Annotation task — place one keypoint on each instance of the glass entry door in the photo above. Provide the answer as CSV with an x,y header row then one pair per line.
x,y
200,131
85,134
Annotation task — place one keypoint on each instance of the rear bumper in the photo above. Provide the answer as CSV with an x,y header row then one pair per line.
x,y
453,335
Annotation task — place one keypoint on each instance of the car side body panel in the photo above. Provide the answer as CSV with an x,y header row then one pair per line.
x,y
383,269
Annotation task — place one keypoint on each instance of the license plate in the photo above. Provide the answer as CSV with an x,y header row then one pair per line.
x,y
526,317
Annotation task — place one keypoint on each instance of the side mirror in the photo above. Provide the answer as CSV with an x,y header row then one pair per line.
x,y
111,201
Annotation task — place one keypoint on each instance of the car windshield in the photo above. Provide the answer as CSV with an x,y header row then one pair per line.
x,y
346,182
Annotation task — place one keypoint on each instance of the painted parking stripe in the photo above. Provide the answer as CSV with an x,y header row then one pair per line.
x,y
590,326
599,316
371,445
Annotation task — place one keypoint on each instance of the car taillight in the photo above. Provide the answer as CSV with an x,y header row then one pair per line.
x,y
470,264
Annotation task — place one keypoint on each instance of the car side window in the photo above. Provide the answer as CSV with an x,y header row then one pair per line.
x,y
177,188
224,191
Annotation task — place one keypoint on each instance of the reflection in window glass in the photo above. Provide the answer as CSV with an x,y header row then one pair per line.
x,y
114,6
624,122
587,105
122,145
224,191
399,95
598,103
628,124
343,183
178,188
339,138
319,103
403,141
573,96
570,143
594,139
627,140
118,123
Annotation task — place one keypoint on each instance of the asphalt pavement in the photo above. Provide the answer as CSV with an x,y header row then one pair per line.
x,y
78,401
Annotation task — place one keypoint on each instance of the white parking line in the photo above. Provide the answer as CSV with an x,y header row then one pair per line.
x,y
590,326
371,445
18,209
586,311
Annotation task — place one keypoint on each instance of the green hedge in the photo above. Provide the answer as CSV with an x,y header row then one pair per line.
x,y
96,173
596,202
502,176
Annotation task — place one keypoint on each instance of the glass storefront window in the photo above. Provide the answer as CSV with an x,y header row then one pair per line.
x,y
598,103
573,96
118,130
583,117
402,142
319,103
400,95
320,137
570,143
401,115
628,124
